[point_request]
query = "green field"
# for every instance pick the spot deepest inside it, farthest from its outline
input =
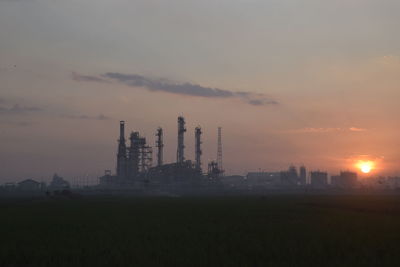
(218, 231)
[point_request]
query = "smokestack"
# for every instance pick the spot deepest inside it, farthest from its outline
(121, 155)
(180, 158)
(122, 130)
(198, 152)
(160, 146)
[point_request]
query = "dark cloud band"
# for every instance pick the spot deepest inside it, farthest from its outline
(163, 85)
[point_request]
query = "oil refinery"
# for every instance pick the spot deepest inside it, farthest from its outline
(135, 170)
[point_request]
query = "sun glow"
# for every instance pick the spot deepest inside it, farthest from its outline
(365, 166)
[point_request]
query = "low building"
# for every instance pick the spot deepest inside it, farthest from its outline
(319, 179)
(289, 178)
(393, 182)
(233, 181)
(267, 179)
(346, 180)
(29, 185)
(58, 183)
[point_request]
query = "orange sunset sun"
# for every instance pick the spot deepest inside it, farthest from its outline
(365, 166)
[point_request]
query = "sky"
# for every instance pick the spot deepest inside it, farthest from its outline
(289, 81)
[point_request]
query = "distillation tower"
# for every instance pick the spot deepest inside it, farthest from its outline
(198, 152)
(121, 155)
(180, 157)
(160, 146)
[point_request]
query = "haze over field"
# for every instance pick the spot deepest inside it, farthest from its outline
(305, 82)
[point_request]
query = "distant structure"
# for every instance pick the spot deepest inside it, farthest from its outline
(303, 175)
(29, 185)
(121, 155)
(215, 167)
(290, 177)
(319, 180)
(135, 163)
(264, 179)
(134, 155)
(213, 172)
(198, 152)
(160, 146)
(180, 157)
(58, 183)
(146, 155)
(346, 180)
(219, 150)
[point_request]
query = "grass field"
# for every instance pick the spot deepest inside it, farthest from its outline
(230, 231)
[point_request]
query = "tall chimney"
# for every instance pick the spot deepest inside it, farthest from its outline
(121, 155)
(180, 157)
(122, 131)
(160, 146)
(198, 152)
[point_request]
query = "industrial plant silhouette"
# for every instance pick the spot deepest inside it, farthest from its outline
(134, 168)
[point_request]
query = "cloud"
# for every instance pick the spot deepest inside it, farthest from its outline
(167, 86)
(100, 117)
(135, 80)
(86, 78)
(18, 123)
(317, 130)
(326, 130)
(355, 129)
(262, 102)
(18, 109)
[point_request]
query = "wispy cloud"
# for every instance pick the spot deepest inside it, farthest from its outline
(355, 129)
(86, 117)
(135, 80)
(167, 86)
(87, 78)
(18, 109)
(18, 123)
(326, 130)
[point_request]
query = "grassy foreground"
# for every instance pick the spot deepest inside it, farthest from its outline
(231, 231)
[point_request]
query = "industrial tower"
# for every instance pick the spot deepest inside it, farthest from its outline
(140, 155)
(198, 152)
(219, 151)
(180, 157)
(121, 155)
(134, 155)
(160, 146)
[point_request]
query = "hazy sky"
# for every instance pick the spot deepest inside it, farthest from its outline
(306, 81)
